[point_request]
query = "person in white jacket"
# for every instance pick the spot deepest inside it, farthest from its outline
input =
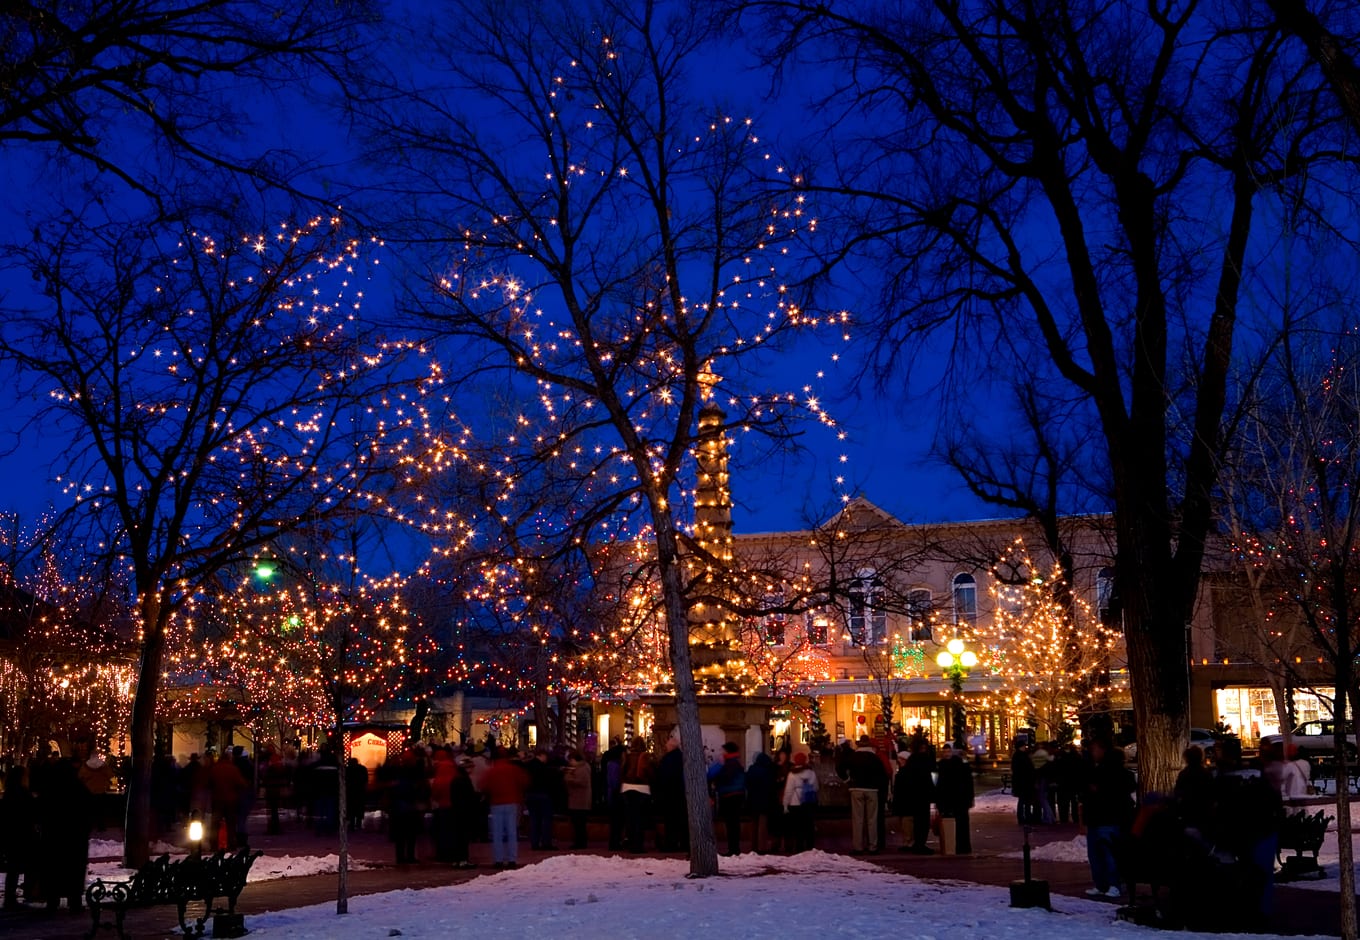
(1288, 778)
(800, 803)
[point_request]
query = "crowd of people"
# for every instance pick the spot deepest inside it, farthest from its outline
(929, 791)
(47, 812)
(1220, 824)
(1216, 833)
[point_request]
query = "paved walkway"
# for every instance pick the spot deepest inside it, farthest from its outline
(1300, 911)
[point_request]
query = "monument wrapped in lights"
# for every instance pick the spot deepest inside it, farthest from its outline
(729, 707)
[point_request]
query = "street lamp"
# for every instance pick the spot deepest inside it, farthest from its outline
(955, 660)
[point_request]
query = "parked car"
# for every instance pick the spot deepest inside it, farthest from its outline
(1200, 736)
(1315, 738)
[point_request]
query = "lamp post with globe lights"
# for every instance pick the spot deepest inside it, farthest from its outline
(956, 660)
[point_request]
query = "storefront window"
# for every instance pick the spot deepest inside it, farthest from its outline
(1250, 713)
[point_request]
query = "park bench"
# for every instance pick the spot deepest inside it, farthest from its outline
(1323, 774)
(179, 882)
(1302, 832)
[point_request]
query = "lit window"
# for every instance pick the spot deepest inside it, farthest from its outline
(1106, 602)
(776, 621)
(868, 621)
(965, 598)
(918, 614)
(815, 623)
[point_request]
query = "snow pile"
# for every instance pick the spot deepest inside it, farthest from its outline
(1070, 850)
(273, 867)
(113, 848)
(809, 895)
(994, 801)
(266, 868)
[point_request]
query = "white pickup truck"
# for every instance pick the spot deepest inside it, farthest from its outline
(1315, 738)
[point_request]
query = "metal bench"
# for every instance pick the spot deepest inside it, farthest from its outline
(179, 882)
(1302, 832)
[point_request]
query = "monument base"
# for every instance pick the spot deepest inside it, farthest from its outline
(744, 720)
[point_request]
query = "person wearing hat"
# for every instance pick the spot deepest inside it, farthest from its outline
(800, 804)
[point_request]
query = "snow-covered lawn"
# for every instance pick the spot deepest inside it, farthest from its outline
(266, 867)
(809, 895)
(113, 848)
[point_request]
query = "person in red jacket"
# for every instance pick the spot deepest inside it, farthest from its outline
(504, 784)
(228, 787)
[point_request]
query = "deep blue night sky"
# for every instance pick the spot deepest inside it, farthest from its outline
(889, 435)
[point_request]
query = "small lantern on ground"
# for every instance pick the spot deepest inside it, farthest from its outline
(196, 837)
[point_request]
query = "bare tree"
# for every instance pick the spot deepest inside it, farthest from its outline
(206, 388)
(1328, 46)
(603, 244)
(141, 89)
(1297, 475)
(1026, 186)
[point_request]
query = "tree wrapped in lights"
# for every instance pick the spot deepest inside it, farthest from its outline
(1045, 645)
(603, 245)
(66, 673)
(212, 392)
(311, 639)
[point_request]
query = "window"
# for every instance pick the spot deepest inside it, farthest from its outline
(868, 623)
(775, 621)
(815, 623)
(918, 614)
(1107, 607)
(965, 598)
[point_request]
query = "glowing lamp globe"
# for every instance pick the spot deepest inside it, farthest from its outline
(944, 660)
(196, 831)
(969, 659)
(954, 646)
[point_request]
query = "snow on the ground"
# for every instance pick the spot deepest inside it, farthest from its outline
(1068, 850)
(994, 801)
(113, 848)
(1074, 850)
(809, 895)
(266, 867)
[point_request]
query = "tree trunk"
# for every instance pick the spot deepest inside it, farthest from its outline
(414, 732)
(1159, 677)
(543, 717)
(703, 846)
(567, 735)
(1345, 855)
(342, 869)
(1280, 693)
(137, 823)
